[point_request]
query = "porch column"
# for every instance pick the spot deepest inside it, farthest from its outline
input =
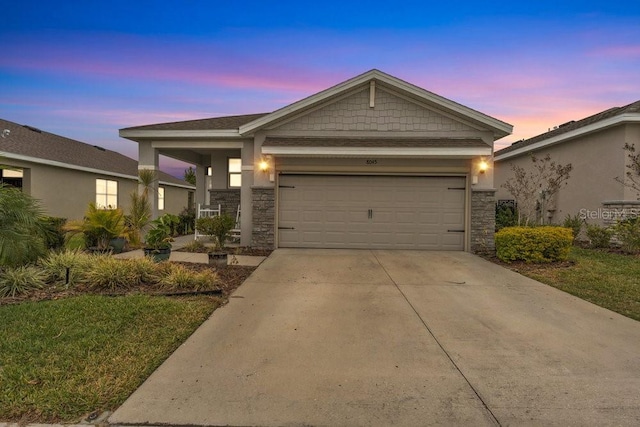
(246, 222)
(201, 185)
(148, 159)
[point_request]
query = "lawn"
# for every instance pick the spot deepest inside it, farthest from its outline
(610, 280)
(63, 359)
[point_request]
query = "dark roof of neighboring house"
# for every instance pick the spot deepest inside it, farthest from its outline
(371, 142)
(32, 142)
(634, 107)
(227, 122)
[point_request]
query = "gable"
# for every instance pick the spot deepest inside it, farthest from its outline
(390, 113)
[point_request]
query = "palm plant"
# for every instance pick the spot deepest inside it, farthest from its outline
(21, 227)
(140, 209)
(99, 225)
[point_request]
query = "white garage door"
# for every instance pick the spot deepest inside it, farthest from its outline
(385, 212)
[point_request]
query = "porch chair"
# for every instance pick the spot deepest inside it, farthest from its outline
(234, 235)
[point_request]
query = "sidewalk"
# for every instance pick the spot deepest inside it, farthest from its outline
(197, 258)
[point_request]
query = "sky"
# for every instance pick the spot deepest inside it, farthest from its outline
(84, 69)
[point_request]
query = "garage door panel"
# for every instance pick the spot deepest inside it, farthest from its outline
(407, 212)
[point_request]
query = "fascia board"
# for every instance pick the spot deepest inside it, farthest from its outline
(378, 151)
(197, 144)
(53, 163)
(593, 127)
(164, 134)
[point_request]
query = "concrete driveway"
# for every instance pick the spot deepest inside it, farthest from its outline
(356, 337)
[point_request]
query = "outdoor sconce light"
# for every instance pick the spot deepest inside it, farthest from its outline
(483, 166)
(264, 165)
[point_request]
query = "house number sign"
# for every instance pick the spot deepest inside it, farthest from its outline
(371, 161)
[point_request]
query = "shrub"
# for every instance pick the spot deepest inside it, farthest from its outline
(20, 280)
(506, 216)
(600, 237)
(21, 228)
(146, 270)
(533, 244)
(110, 274)
(217, 226)
(179, 277)
(187, 220)
(574, 223)
(54, 232)
(195, 246)
(55, 265)
(628, 233)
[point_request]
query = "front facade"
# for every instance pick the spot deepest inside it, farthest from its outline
(595, 148)
(66, 175)
(373, 162)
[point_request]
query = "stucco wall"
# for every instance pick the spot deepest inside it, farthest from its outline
(66, 193)
(597, 159)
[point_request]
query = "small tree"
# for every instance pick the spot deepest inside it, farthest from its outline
(190, 175)
(536, 185)
(631, 178)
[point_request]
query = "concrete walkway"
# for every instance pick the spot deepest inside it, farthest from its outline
(198, 258)
(337, 337)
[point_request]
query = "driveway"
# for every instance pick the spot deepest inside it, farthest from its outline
(357, 337)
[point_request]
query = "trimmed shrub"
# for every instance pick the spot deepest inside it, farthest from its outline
(534, 244)
(628, 233)
(506, 216)
(179, 277)
(55, 266)
(574, 223)
(20, 280)
(599, 237)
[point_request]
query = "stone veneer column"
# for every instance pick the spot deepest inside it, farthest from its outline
(483, 221)
(228, 199)
(264, 218)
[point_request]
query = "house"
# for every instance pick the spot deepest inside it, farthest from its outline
(594, 147)
(373, 162)
(65, 175)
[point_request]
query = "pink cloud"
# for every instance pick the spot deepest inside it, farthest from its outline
(622, 52)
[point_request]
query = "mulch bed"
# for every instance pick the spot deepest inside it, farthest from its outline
(242, 250)
(530, 267)
(230, 278)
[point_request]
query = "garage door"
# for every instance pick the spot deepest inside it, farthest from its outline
(385, 212)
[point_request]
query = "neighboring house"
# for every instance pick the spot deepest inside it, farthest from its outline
(66, 175)
(594, 147)
(373, 162)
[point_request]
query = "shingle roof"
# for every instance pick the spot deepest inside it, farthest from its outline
(372, 142)
(227, 122)
(572, 125)
(33, 142)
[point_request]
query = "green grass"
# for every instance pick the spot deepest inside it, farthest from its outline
(60, 360)
(609, 280)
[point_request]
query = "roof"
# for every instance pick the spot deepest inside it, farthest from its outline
(27, 143)
(566, 130)
(369, 142)
(499, 128)
(227, 122)
(245, 125)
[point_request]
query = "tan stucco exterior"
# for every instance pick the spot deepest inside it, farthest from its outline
(597, 158)
(66, 192)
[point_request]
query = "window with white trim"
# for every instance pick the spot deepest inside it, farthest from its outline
(106, 194)
(235, 172)
(160, 198)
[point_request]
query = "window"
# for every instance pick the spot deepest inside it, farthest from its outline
(106, 194)
(12, 177)
(160, 198)
(235, 172)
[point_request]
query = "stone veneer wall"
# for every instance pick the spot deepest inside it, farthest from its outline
(616, 210)
(483, 221)
(228, 199)
(264, 218)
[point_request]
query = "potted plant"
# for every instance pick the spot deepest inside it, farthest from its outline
(157, 242)
(103, 229)
(218, 227)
